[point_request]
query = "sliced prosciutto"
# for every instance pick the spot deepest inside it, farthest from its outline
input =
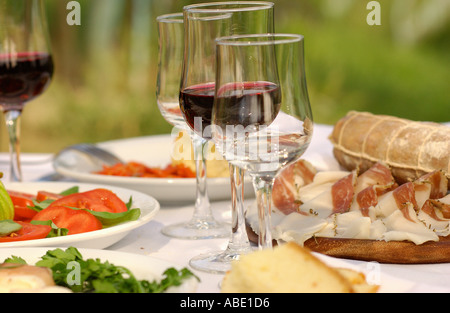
(287, 184)
(342, 193)
(370, 185)
(438, 183)
(377, 175)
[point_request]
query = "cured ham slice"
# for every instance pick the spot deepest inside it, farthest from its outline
(335, 198)
(438, 183)
(286, 187)
(405, 225)
(322, 182)
(378, 174)
(371, 184)
(342, 193)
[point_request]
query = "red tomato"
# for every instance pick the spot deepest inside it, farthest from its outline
(76, 221)
(28, 232)
(44, 195)
(100, 200)
(21, 202)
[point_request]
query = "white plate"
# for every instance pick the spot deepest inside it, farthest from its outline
(143, 267)
(152, 151)
(374, 274)
(98, 239)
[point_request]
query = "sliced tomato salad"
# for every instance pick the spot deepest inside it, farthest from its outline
(22, 202)
(75, 221)
(78, 212)
(100, 200)
(27, 232)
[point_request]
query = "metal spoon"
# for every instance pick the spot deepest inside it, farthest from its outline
(84, 157)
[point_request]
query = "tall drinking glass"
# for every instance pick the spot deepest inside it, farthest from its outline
(262, 118)
(202, 225)
(203, 24)
(26, 66)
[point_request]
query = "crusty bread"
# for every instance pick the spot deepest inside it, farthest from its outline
(409, 148)
(289, 268)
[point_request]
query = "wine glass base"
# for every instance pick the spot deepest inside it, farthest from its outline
(216, 262)
(197, 230)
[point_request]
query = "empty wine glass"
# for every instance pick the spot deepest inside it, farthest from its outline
(26, 66)
(171, 33)
(262, 117)
(203, 24)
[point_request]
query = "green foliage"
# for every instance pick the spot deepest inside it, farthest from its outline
(104, 85)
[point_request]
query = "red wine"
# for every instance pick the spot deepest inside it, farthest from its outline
(23, 76)
(248, 103)
(197, 102)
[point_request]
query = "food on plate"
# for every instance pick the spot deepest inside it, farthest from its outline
(183, 154)
(369, 216)
(6, 205)
(70, 272)
(411, 149)
(47, 214)
(137, 169)
(20, 278)
(290, 268)
(288, 183)
(20, 231)
(182, 163)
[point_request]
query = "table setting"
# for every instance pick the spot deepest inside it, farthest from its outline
(226, 80)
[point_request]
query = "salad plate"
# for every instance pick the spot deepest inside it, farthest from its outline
(143, 267)
(98, 239)
(153, 151)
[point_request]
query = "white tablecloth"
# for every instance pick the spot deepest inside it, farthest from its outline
(148, 240)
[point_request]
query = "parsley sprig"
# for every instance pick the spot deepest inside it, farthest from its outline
(95, 276)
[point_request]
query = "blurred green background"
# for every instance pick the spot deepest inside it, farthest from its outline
(104, 85)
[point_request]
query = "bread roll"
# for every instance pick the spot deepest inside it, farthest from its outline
(290, 268)
(410, 148)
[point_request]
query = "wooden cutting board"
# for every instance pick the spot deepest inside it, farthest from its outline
(392, 252)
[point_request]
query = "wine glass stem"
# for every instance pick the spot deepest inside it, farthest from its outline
(263, 188)
(12, 119)
(239, 241)
(202, 209)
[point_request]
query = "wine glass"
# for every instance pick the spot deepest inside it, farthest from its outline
(26, 66)
(203, 24)
(202, 225)
(262, 118)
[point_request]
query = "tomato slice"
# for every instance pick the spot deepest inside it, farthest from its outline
(21, 201)
(28, 232)
(45, 195)
(76, 221)
(100, 200)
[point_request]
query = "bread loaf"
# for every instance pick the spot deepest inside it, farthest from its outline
(409, 148)
(290, 268)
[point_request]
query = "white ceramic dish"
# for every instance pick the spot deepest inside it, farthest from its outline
(152, 151)
(143, 267)
(98, 239)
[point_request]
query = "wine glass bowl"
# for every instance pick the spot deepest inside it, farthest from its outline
(170, 63)
(262, 119)
(26, 66)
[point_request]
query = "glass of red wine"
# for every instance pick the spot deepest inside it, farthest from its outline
(262, 118)
(203, 24)
(171, 33)
(26, 66)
